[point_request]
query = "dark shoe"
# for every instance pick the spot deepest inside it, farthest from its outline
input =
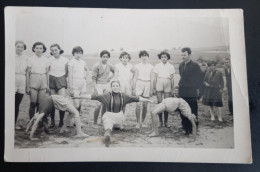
(52, 124)
(167, 125)
(107, 138)
(160, 124)
(60, 124)
(45, 126)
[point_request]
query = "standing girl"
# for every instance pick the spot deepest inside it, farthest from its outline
(37, 76)
(77, 80)
(214, 84)
(163, 82)
(57, 79)
(20, 76)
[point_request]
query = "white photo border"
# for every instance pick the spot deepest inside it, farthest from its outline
(242, 137)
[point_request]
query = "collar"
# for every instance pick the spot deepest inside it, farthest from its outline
(164, 64)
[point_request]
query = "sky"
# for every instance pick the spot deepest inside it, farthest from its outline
(132, 30)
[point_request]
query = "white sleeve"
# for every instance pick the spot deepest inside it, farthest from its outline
(156, 70)
(172, 70)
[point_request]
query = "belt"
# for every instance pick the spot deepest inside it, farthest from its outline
(144, 80)
(39, 73)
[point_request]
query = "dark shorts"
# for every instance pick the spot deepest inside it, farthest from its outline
(57, 83)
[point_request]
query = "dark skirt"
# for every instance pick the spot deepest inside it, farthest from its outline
(57, 83)
(212, 97)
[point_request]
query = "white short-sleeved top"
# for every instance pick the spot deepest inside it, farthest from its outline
(38, 64)
(164, 70)
(78, 68)
(124, 71)
(57, 66)
(21, 62)
(144, 71)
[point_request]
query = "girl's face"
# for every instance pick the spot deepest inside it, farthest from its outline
(203, 68)
(55, 51)
(38, 50)
(105, 58)
(144, 58)
(78, 55)
(115, 87)
(164, 58)
(125, 59)
(213, 67)
(19, 48)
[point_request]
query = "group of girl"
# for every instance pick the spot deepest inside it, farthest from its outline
(38, 75)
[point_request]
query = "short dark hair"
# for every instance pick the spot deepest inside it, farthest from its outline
(77, 49)
(143, 53)
(104, 52)
(21, 42)
(210, 63)
(115, 81)
(204, 64)
(164, 53)
(186, 49)
(58, 46)
(123, 54)
(39, 43)
(227, 59)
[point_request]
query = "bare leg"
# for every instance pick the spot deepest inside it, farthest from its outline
(33, 99)
(166, 95)
(64, 128)
(211, 113)
(61, 92)
(144, 111)
(71, 109)
(53, 92)
(219, 114)
(158, 109)
(159, 95)
(29, 125)
(137, 113)
(35, 125)
(96, 113)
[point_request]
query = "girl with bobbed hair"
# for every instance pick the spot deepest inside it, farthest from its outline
(163, 83)
(37, 76)
(20, 76)
(58, 72)
(214, 84)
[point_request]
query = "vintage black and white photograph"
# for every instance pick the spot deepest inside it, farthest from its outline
(120, 78)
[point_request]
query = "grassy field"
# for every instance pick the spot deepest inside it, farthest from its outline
(212, 134)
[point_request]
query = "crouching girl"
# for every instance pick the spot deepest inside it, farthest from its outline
(115, 103)
(60, 103)
(171, 104)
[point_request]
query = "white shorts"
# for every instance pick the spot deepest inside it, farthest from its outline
(79, 86)
(103, 88)
(60, 103)
(111, 119)
(143, 88)
(20, 83)
(126, 87)
(163, 84)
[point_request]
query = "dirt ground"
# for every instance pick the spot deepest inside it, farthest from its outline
(211, 134)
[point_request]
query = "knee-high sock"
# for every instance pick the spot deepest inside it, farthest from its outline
(165, 117)
(32, 109)
(160, 117)
(62, 113)
(18, 99)
(53, 114)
